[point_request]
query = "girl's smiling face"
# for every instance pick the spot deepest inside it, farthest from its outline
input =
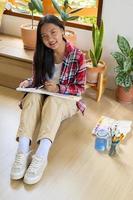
(52, 36)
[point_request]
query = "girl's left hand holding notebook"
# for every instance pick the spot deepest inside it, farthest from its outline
(25, 84)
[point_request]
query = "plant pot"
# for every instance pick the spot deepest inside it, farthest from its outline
(29, 36)
(124, 96)
(71, 36)
(92, 72)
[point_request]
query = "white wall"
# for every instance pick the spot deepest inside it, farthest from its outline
(117, 16)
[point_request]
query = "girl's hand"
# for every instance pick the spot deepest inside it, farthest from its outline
(24, 84)
(51, 86)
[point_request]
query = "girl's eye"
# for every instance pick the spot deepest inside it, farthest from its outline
(54, 32)
(43, 36)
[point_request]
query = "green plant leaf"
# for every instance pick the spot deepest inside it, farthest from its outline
(132, 68)
(118, 69)
(120, 78)
(93, 35)
(131, 54)
(96, 37)
(37, 5)
(127, 65)
(128, 81)
(123, 45)
(57, 7)
(31, 6)
(93, 59)
(72, 18)
(64, 15)
(119, 57)
(132, 78)
(76, 10)
(66, 5)
(124, 80)
(98, 50)
(98, 54)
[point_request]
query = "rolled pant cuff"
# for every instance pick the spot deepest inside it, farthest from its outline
(17, 138)
(45, 137)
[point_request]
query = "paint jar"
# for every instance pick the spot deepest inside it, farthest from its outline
(103, 140)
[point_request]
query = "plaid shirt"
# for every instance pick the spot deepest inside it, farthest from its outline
(73, 74)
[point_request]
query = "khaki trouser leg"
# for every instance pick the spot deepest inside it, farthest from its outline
(31, 112)
(53, 112)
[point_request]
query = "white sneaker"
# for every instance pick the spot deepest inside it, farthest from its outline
(35, 170)
(20, 165)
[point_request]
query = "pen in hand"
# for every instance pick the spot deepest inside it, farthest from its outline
(41, 86)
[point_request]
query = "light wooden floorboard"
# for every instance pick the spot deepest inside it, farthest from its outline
(76, 171)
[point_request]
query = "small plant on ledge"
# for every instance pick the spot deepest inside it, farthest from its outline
(35, 5)
(28, 31)
(97, 38)
(95, 65)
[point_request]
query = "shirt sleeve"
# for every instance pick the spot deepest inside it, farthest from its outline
(78, 85)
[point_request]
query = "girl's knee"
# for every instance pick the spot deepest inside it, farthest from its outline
(54, 99)
(32, 97)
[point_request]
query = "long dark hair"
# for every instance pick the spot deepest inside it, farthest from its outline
(43, 61)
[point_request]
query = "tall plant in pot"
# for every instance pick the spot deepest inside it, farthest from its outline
(28, 31)
(94, 63)
(124, 70)
(66, 14)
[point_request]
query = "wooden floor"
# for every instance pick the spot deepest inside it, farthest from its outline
(76, 171)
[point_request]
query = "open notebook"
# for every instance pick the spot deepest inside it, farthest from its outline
(43, 91)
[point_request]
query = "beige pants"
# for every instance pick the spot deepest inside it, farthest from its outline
(48, 111)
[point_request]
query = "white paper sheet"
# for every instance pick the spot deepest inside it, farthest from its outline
(43, 91)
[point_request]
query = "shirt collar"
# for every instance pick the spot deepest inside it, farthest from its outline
(69, 48)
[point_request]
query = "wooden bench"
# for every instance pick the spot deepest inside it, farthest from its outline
(15, 62)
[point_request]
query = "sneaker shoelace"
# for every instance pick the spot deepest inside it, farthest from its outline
(19, 161)
(35, 165)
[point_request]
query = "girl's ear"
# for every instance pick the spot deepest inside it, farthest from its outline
(63, 33)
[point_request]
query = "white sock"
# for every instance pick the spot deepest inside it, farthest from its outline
(43, 148)
(24, 143)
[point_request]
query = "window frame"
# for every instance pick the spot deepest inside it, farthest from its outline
(69, 24)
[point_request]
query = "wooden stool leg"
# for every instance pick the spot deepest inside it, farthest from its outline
(100, 86)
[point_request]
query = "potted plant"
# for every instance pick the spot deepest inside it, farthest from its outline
(94, 63)
(66, 14)
(124, 70)
(28, 31)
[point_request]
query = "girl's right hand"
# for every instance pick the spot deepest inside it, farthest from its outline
(24, 84)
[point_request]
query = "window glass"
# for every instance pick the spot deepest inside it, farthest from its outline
(88, 15)
(21, 6)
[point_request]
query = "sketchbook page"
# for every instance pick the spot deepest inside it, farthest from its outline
(43, 91)
(124, 126)
(103, 123)
(107, 123)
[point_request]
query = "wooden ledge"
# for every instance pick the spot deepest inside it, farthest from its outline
(12, 47)
(15, 61)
